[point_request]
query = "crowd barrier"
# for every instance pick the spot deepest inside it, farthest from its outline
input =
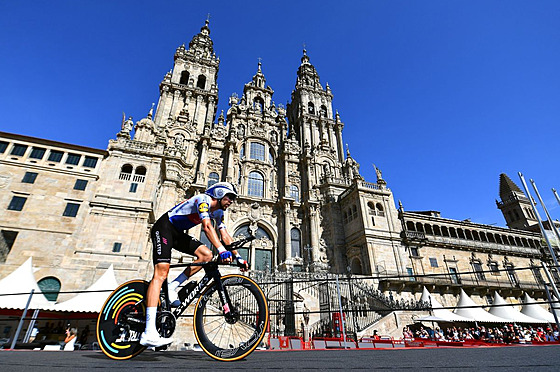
(323, 343)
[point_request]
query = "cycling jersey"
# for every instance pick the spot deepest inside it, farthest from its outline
(191, 212)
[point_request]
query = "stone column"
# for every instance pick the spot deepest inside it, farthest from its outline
(314, 227)
(229, 164)
(286, 177)
(186, 103)
(197, 106)
(287, 233)
(209, 110)
(159, 109)
(332, 137)
(200, 179)
(340, 146)
(176, 95)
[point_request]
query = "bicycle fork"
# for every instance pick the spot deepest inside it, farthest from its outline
(230, 313)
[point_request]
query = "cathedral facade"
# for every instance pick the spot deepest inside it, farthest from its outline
(77, 210)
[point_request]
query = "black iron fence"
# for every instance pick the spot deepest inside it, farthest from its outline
(313, 302)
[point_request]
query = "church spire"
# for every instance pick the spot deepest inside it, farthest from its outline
(508, 187)
(201, 44)
(515, 206)
(259, 79)
(307, 76)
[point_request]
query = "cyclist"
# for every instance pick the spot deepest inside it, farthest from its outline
(169, 232)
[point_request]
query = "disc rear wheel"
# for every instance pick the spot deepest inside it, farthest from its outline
(122, 319)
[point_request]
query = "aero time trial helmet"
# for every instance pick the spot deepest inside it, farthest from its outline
(221, 189)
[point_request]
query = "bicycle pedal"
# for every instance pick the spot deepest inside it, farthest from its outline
(185, 290)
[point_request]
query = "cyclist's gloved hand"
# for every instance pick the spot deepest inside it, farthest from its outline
(224, 254)
(242, 263)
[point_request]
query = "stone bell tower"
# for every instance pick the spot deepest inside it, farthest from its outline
(318, 131)
(189, 92)
(515, 206)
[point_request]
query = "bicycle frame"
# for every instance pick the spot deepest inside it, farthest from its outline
(212, 273)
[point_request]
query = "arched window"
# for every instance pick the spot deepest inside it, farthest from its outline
(201, 82)
(371, 208)
(127, 168)
(256, 184)
(475, 235)
(263, 257)
(184, 78)
(356, 266)
(213, 178)
(257, 151)
(294, 192)
(296, 242)
(126, 172)
(140, 174)
(410, 226)
(311, 108)
(323, 111)
(50, 286)
(452, 232)
(379, 208)
(428, 229)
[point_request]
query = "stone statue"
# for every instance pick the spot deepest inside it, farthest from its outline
(274, 137)
(178, 141)
(127, 125)
(241, 132)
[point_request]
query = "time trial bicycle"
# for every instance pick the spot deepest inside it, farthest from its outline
(230, 316)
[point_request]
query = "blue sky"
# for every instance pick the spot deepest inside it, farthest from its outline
(442, 96)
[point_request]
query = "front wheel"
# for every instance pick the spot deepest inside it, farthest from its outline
(231, 334)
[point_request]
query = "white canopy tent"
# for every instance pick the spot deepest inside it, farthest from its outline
(93, 298)
(502, 309)
(468, 309)
(440, 314)
(534, 310)
(22, 280)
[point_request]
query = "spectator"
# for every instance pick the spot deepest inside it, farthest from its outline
(70, 340)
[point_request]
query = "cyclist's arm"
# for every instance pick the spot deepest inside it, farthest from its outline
(211, 232)
(226, 238)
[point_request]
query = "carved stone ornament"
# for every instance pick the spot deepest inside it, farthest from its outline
(5, 179)
(255, 212)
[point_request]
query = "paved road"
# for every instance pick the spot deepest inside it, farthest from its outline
(528, 358)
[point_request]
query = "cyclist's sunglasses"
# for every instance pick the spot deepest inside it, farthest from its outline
(231, 197)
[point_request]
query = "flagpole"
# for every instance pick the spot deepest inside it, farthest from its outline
(538, 219)
(556, 194)
(550, 221)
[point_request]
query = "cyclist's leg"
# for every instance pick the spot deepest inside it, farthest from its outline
(160, 274)
(162, 241)
(194, 247)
